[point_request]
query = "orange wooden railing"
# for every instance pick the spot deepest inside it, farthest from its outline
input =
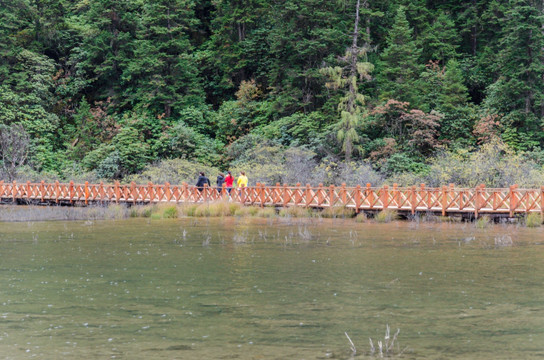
(447, 199)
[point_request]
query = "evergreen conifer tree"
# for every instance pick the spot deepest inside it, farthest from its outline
(399, 67)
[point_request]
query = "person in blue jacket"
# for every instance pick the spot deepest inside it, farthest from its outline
(202, 179)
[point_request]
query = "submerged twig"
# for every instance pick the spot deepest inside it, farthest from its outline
(353, 348)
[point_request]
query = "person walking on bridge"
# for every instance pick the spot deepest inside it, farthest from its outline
(242, 180)
(229, 180)
(202, 179)
(219, 182)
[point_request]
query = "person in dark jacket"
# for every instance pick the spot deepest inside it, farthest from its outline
(220, 181)
(202, 179)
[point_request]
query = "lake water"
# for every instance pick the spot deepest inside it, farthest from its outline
(238, 288)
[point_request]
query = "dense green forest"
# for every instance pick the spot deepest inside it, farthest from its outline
(289, 91)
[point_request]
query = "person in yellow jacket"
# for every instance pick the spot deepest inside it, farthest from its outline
(242, 180)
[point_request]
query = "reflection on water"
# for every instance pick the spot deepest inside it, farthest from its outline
(268, 289)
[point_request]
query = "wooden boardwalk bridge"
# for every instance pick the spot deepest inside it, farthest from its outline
(447, 200)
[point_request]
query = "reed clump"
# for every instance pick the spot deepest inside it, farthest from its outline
(337, 212)
(156, 211)
(188, 209)
(295, 211)
(116, 211)
(267, 212)
(170, 212)
(388, 347)
(533, 220)
(386, 216)
(245, 211)
(483, 222)
(361, 217)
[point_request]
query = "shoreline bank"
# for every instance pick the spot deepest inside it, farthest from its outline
(21, 213)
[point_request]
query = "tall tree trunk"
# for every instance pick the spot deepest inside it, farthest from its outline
(474, 37)
(353, 52)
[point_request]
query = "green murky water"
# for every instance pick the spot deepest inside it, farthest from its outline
(268, 289)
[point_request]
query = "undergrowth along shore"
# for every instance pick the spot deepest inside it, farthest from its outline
(228, 209)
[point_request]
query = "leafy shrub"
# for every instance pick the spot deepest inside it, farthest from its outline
(110, 167)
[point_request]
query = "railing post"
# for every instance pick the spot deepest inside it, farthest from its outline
(331, 196)
(117, 194)
(133, 192)
(357, 198)
(86, 193)
(256, 194)
(185, 190)
(150, 192)
(513, 204)
(14, 191)
(205, 192)
(482, 196)
(423, 194)
(297, 194)
(413, 200)
(452, 192)
(167, 192)
(542, 203)
(71, 191)
(223, 190)
(370, 196)
(285, 196)
(101, 191)
(308, 195)
(495, 201)
(28, 191)
(343, 195)
(385, 197)
(444, 199)
(56, 191)
(320, 196)
(263, 194)
(276, 199)
(396, 195)
(477, 202)
(42, 190)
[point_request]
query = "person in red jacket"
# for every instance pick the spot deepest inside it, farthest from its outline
(229, 180)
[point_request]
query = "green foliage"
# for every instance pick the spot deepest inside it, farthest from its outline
(440, 40)
(182, 141)
(279, 89)
(174, 171)
(401, 163)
